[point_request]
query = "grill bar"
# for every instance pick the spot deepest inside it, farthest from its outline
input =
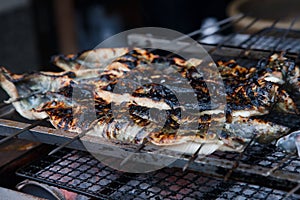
(232, 36)
(231, 20)
(81, 173)
(223, 160)
(285, 34)
(237, 162)
(34, 124)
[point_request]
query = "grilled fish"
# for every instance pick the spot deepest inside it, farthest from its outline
(250, 92)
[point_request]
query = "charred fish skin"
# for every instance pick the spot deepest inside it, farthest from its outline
(282, 70)
(31, 89)
(90, 59)
(100, 58)
(263, 91)
(233, 140)
(40, 83)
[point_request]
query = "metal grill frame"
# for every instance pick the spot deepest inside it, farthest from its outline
(282, 175)
(80, 172)
(225, 160)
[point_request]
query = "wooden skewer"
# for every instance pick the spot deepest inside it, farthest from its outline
(34, 124)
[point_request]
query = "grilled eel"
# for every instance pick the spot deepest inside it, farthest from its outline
(255, 94)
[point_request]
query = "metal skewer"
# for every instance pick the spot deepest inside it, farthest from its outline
(285, 34)
(192, 158)
(137, 150)
(223, 28)
(224, 21)
(34, 124)
(6, 110)
(237, 162)
(233, 21)
(286, 158)
(292, 191)
(77, 137)
(233, 35)
(2, 104)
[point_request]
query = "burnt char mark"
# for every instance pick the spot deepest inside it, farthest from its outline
(68, 122)
(69, 58)
(160, 60)
(107, 77)
(157, 92)
(67, 91)
(62, 116)
(198, 84)
(130, 64)
(139, 115)
(261, 64)
(102, 108)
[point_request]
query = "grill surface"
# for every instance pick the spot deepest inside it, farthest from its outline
(80, 172)
(266, 39)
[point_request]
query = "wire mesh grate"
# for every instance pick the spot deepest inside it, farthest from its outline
(80, 172)
(271, 38)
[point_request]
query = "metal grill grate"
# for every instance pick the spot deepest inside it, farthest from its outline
(80, 172)
(270, 37)
(267, 39)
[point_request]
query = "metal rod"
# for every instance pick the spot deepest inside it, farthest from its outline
(233, 35)
(2, 104)
(286, 158)
(223, 28)
(237, 162)
(260, 33)
(204, 36)
(285, 34)
(192, 158)
(34, 124)
(292, 191)
(224, 21)
(6, 110)
(77, 137)
(137, 150)
(260, 36)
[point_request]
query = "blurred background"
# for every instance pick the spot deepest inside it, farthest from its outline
(34, 30)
